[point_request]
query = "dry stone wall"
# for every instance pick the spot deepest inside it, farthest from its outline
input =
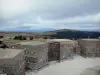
(90, 47)
(36, 56)
(16, 67)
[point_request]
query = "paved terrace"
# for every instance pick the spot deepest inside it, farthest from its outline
(75, 66)
(92, 71)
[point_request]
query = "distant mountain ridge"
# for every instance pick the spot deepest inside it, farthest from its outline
(62, 33)
(71, 30)
(69, 33)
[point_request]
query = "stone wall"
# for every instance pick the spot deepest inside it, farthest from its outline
(36, 56)
(77, 50)
(66, 51)
(90, 47)
(16, 67)
(54, 51)
(2, 74)
(60, 50)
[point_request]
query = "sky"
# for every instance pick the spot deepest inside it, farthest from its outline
(47, 15)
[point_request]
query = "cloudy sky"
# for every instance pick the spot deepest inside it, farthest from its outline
(44, 15)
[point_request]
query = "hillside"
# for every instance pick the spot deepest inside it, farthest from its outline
(63, 33)
(67, 33)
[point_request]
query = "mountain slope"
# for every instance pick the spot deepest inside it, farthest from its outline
(67, 33)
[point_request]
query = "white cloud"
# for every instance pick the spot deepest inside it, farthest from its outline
(9, 8)
(38, 4)
(87, 19)
(87, 22)
(55, 14)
